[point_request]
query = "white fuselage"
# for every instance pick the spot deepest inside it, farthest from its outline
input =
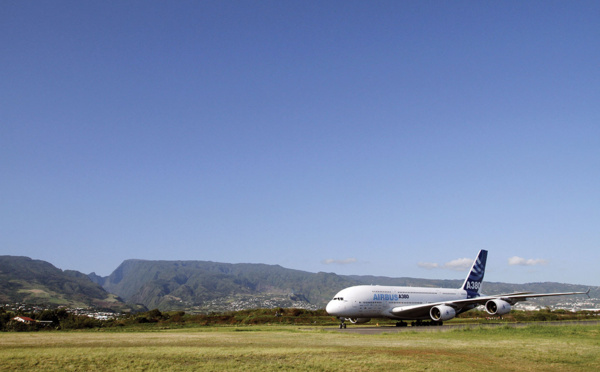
(374, 301)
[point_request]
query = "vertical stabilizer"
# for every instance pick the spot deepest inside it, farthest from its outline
(473, 282)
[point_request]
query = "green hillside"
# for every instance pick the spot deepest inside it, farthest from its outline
(24, 280)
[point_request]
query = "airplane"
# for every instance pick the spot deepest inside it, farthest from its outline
(423, 305)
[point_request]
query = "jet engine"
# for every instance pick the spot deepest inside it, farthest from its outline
(497, 307)
(442, 312)
(358, 320)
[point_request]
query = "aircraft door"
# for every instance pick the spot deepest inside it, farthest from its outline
(356, 308)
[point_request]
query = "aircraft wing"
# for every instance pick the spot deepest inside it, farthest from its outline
(422, 311)
(513, 298)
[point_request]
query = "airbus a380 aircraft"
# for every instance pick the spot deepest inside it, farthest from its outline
(361, 303)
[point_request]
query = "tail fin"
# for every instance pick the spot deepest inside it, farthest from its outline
(472, 283)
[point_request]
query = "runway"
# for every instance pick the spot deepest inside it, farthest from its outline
(393, 329)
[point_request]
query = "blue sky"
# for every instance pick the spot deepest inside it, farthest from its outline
(357, 137)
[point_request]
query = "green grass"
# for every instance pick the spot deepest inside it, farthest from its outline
(535, 348)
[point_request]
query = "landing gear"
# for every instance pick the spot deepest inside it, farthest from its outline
(420, 323)
(401, 324)
(342, 324)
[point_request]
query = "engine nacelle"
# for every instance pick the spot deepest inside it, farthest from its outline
(358, 320)
(442, 312)
(497, 307)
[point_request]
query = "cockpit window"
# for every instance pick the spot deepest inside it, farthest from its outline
(338, 298)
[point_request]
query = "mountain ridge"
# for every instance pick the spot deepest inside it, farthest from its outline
(186, 284)
(205, 286)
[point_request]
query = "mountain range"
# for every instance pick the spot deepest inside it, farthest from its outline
(204, 286)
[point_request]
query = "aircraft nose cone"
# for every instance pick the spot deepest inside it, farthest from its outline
(331, 308)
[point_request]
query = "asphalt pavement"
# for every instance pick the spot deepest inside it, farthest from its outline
(447, 327)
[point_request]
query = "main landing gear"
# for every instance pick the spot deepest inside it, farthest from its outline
(401, 324)
(420, 323)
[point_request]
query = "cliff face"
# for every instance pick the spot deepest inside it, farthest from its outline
(181, 284)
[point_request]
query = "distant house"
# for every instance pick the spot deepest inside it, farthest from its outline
(24, 319)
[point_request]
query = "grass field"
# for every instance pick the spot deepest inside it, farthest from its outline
(535, 348)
